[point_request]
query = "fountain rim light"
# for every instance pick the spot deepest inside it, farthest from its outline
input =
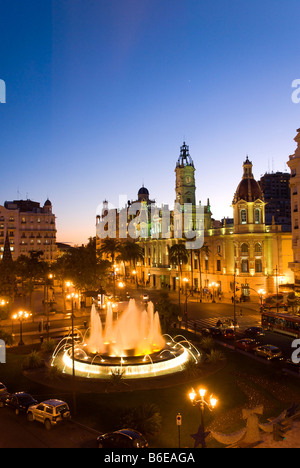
(150, 369)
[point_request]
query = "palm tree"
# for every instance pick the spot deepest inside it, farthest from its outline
(206, 250)
(179, 256)
(131, 252)
(111, 247)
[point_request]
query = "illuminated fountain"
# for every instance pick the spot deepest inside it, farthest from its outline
(131, 345)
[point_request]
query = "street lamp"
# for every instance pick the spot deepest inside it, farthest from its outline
(212, 285)
(21, 316)
(198, 399)
(261, 293)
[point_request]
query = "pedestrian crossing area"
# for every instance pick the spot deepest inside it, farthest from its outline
(243, 322)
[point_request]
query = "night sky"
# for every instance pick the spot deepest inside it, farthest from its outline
(101, 95)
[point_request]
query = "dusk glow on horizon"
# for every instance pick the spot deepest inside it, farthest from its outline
(100, 96)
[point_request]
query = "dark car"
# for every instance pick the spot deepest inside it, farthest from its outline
(254, 332)
(246, 344)
(229, 334)
(3, 394)
(125, 438)
(211, 331)
(20, 402)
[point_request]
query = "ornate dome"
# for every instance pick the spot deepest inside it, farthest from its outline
(249, 189)
(143, 191)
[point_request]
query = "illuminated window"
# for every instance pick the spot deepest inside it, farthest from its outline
(245, 266)
(258, 266)
(258, 249)
(257, 216)
(243, 216)
(244, 249)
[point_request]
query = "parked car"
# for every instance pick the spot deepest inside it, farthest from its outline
(3, 389)
(49, 412)
(3, 394)
(125, 438)
(20, 402)
(246, 344)
(229, 323)
(211, 331)
(229, 334)
(269, 352)
(254, 332)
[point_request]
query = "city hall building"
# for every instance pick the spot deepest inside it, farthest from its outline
(244, 250)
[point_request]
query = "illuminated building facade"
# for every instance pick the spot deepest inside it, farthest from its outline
(28, 227)
(256, 253)
(294, 165)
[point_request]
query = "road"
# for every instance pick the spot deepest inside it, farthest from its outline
(17, 432)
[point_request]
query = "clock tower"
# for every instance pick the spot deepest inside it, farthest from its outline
(185, 178)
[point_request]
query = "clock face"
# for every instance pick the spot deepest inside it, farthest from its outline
(188, 179)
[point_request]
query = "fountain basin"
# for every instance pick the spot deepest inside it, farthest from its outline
(168, 360)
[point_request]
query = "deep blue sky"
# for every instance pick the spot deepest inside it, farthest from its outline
(101, 95)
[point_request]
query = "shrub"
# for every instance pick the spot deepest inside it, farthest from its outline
(6, 337)
(207, 343)
(215, 356)
(34, 360)
(53, 373)
(48, 347)
(145, 418)
(193, 368)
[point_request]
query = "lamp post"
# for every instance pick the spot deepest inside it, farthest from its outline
(198, 399)
(212, 285)
(73, 296)
(48, 281)
(21, 316)
(261, 293)
(186, 281)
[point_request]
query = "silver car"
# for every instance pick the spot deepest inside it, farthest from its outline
(50, 413)
(269, 352)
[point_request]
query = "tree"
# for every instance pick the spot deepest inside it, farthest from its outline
(168, 311)
(8, 284)
(130, 252)
(145, 418)
(82, 266)
(31, 269)
(111, 248)
(178, 256)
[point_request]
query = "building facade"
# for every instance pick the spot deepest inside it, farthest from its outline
(245, 250)
(277, 195)
(294, 165)
(28, 227)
